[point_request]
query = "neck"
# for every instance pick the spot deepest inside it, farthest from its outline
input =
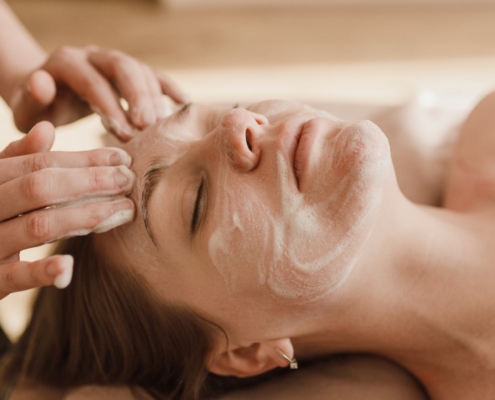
(411, 298)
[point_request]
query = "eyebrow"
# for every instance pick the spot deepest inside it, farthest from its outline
(152, 176)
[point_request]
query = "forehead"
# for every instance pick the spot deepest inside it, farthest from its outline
(166, 141)
(170, 138)
(172, 134)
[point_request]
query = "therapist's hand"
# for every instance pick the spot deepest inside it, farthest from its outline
(45, 196)
(73, 82)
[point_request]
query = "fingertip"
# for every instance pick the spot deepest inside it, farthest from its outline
(177, 95)
(186, 99)
(143, 116)
(40, 138)
(66, 265)
(122, 130)
(42, 87)
(120, 157)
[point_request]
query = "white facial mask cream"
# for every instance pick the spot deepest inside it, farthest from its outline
(307, 245)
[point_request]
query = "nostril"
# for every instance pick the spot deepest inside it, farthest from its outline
(248, 140)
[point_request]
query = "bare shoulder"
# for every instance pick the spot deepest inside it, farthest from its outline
(344, 378)
(471, 177)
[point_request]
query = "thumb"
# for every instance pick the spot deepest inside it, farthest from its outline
(32, 98)
(39, 139)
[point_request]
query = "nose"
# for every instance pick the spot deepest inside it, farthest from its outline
(240, 131)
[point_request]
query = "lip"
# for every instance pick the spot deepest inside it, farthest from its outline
(303, 150)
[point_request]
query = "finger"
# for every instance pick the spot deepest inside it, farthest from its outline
(155, 90)
(171, 89)
(42, 88)
(130, 78)
(15, 167)
(87, 82)
(39, 139)
(22, 275)
(32, 99)
(48, 225)
(54, 186)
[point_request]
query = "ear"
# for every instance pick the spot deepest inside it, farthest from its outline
(246, 361)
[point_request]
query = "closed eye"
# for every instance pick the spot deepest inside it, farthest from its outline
(197, 208)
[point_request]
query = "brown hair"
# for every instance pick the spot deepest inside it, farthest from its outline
(108, 328)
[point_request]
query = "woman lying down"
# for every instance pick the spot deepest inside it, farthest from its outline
(270, 236)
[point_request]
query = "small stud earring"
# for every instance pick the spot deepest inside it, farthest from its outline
(293, 362)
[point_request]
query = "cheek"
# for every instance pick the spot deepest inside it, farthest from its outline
(322, 235)
(300, 248)
(239, 246)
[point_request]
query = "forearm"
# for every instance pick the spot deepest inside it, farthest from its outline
(19, 52)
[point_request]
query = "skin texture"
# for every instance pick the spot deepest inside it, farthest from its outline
(409, 296)
(203, 135)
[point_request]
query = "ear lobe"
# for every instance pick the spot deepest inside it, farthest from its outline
(256, 359)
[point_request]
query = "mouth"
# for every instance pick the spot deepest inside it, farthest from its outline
(305, 142)
(298, 140)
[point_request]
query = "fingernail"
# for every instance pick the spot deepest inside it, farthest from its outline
(124, 177)
(126, 132)
(123, 212)
(148, 117)
(52, 269)
(121, 179)
(120, 157)
(64, 278)
(113, 125)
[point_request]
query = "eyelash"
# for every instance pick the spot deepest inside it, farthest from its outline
(199, 198)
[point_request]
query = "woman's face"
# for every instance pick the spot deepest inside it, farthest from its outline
(247, 209)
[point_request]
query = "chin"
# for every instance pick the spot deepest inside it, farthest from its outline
(327, 231)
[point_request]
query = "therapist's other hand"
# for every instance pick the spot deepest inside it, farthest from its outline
(45, 196)
(73, 82)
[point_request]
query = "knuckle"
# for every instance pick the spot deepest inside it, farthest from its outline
(10, 149)
(118, 60)
(92, 48)
(39, 162)
(39, 227)
(9, 278)
(94, 158)
(36, 187)
(98, 178)
(64, 52)
(95, 216)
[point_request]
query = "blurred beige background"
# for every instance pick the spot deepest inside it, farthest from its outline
(371, 52)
